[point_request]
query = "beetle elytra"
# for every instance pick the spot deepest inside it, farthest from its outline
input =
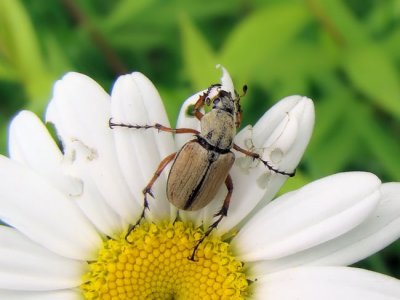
(202, 165)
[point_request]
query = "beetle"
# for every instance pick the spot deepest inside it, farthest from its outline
(202, 165)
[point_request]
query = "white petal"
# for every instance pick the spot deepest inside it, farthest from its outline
(281, 135)
(54, 295)
(314, 214)
(136, 101)
(80, 110)
(31, 144)
(226, 81)
(97, 209)
(25, 265)
(41, 212)
(328, 283)
(375, 233)
(187, 121)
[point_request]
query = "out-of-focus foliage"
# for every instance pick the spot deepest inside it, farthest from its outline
(343, 54)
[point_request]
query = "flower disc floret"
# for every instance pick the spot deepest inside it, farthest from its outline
(152, 263)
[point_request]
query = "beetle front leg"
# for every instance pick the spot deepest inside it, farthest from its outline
(266, 163)
(157, 126)
(198, 105)
(221, 214)
(147, 190)
(203, 100)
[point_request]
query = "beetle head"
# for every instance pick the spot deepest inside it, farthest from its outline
(222, 100)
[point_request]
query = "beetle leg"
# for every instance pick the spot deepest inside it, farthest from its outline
(157, 126)
(147, 191)
(266, 163)
(202, 100)
(177, 217)
(199, 104)
(222, 213)
(239, 108)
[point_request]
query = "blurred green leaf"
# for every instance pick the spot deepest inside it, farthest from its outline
(366, 64)
(124, 11)
(329, 113)
(22, 51)
(391, 44)
(56, 58)
(198, 56)
(338, 21)
(333, 153)
(375, 75)
(381, 143)
(7, 72)
(262, 35)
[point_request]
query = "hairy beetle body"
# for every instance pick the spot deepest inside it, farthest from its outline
(218, 128)
(196, 175)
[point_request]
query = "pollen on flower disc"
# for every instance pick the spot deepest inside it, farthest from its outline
(154, 264)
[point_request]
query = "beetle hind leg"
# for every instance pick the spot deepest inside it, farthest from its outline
(147, 191)
(142, 215)
(223, 212)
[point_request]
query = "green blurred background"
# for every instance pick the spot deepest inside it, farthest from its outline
(343, 54)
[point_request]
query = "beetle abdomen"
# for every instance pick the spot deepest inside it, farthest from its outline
(196, 175)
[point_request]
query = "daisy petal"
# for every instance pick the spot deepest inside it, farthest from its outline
(27, 266)
(187, 121)
(42, 213)
(318, 212)
(97, 209)
(281, 137)
(375, 233)
(136, 101)
(226, 81)
(31, 144)
(328, 283)
(80, 110)
(54, 295)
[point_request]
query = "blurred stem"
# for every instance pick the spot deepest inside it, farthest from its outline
(326, 22)
(98, 39)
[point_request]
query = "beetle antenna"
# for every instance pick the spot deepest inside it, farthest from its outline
(244, 91)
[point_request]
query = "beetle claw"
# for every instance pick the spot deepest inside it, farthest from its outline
(223, 212)
(147, 191)
(150, 193)
(111, 124)
(275, 170)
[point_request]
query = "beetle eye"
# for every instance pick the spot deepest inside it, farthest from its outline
(216, 101)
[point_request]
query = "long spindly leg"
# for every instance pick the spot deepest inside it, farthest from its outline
(157, 126)
(199, 104)
(223, 212)
(147, 190)
(196, 111)
(266, 163)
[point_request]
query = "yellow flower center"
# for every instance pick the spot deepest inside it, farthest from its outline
(154, 264)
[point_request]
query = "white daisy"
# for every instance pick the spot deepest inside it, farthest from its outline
(69, 211)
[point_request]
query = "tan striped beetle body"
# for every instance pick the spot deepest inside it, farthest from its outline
(202, 165)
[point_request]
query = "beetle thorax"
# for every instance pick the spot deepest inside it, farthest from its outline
(218, 128)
